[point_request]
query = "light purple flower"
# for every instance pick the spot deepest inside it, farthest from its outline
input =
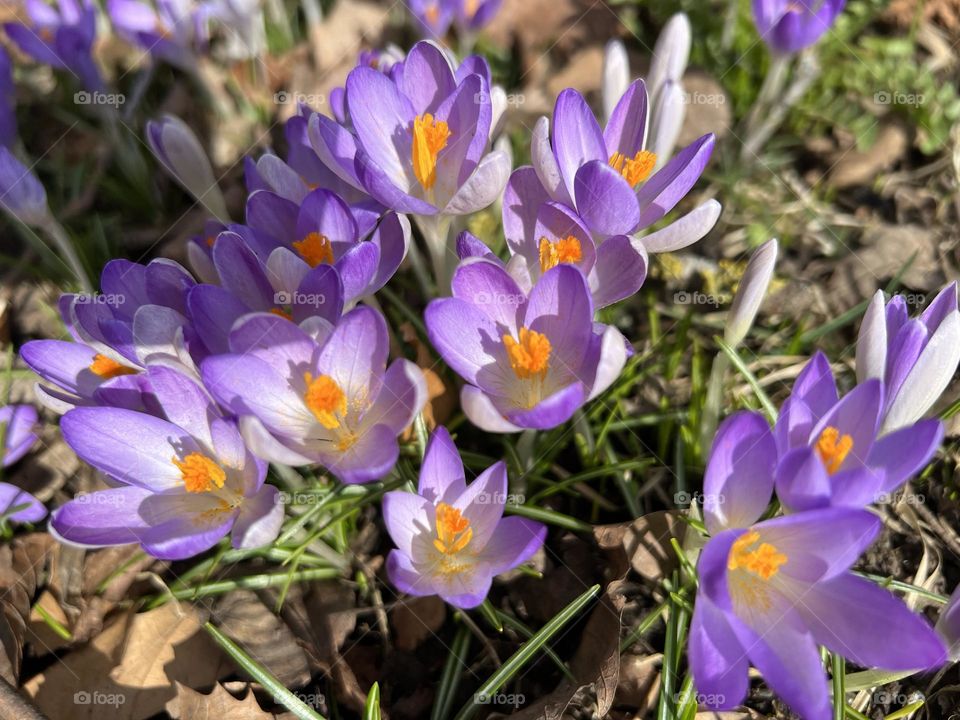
(21, 193)
(948, 625)
(610, 176)
(915, 358)
(321, 229)
(173, 30)
(61, 37)
(19, 505)
(432, 18)
(17, 431)
(529, 361)
(471, 15)
(284, 285)
(452, 538)
(788, 26)
(8, 102)
(140, 317)
(831, 448)
(183, 481)
(664, 83)
(771, 591)
(422, 140)
(325, 397)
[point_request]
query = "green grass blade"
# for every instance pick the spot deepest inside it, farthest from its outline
(450, 680)
(528, 650)
(262, 676)
(371, 708)
(768, 407)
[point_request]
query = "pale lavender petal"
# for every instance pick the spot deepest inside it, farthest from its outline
(259, 521)
(441, 474)
(605, 201)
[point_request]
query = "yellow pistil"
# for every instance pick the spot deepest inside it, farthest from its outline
(565, 250)
(432, 13)
(315, 249)
(470, 8)
(833, 448)
(325, 399)
(764, 561)
(529, 358)
(429, 138)
(636, 169)
(200, 473)
(108, 368)
(211, 239)
(453, 530)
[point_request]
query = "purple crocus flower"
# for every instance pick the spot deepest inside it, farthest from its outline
(323, 230)
(948, 625)
(284, 285)
(608, 176)
(139, 317)
(831, 448)
(529, 361)
(17, 426)
(452, 538)
(664, 83)
(8, 103)
(433, 17)
(915, 358)
(61, 37)
(323, 397)
(184, 480)
(788, 26)
(21, 193)
(771, 591)
(471, 15)
(173, 31)
(422, 139)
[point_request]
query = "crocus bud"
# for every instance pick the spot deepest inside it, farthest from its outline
(21, 193)
(753, 286)
(670, 54)
(616, 75)
(788, 26)
(914, 357)
(181, 154)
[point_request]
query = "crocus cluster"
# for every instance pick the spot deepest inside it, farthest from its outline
(774, 588)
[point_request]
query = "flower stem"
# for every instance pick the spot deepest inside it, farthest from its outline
(59, 237)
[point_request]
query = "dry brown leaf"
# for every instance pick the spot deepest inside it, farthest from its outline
(857, 167)
(646, 542)
(243, 617)
(415, 620)
(22, 562)
(639, 683)
(127, 671)
(218, 705)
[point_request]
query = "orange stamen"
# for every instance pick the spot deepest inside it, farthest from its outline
(430, 136)
(531, 356)
(764, 561)
(315, 249)
(200, 473)
(833, 448)
(565, 250)
(453, 530)
(325, 399)
(108, 368)
(636, 169)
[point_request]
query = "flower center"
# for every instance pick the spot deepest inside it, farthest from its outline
(763, 560)
(429, 138)
(833, 448)
(280, 312)
(315, 249)
(432, 13)
(108, 368)
(453, 530)
(529, 358)
(200, 473)
(325, 399)
(636, 169)
(565, 250)
(470, 8)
